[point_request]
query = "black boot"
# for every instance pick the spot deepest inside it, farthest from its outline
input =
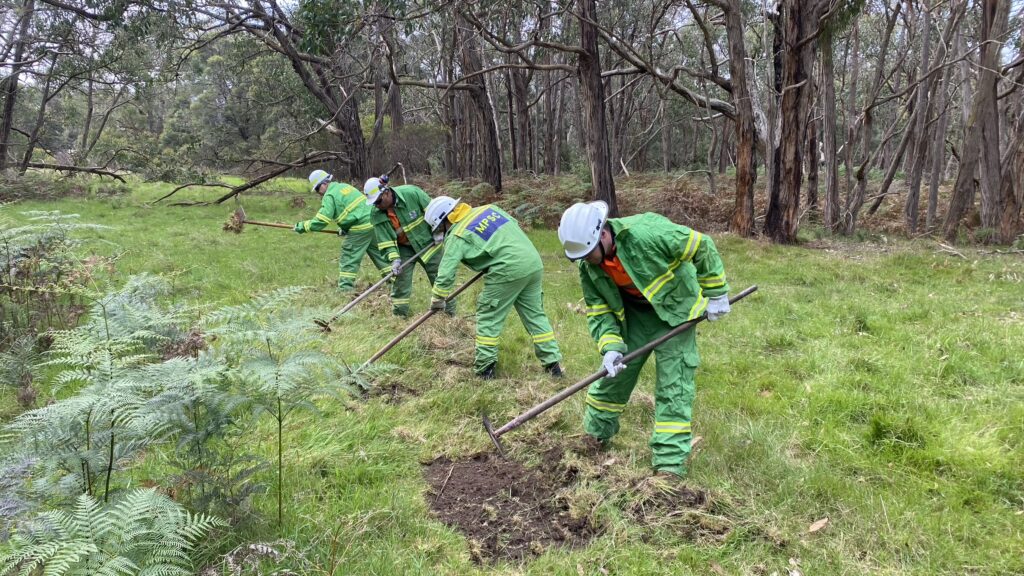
(487, 373)
(555, 369)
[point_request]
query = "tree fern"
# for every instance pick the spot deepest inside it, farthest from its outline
(277, 351)
(142, 533)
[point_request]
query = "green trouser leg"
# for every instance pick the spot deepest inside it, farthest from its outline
(401, 291)
(676, 363)
(492, 309)
(353, 246)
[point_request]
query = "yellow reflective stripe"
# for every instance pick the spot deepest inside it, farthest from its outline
(469, 218)
(688, 252)
(413, 224)
(672, 427)
(660, 281)
(399, 301)
(347, 274)
(440, 292)
(351, 206)
(598, 310)
(305, 225)
(386, 245)
(608, 339)
(620, 313)
(604, 406)
(691, 246)
(712, 281)
(324, 219)
(698, 308)
(361, 227)
(430, 253)
(543, 337)
(486, 340)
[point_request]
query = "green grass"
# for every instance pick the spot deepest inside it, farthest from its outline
(881, 386)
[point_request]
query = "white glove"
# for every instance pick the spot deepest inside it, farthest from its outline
(438, 237)
(396, 267)
(613, 363)
(718, 307)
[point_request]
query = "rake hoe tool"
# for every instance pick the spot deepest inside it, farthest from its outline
(557, 398)
(418, 321)
(240, 218)
(325, 325)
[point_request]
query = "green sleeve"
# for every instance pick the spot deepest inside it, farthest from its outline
(324, 217)
(352, 210)
(387, 240)
(685, 245)
(710, 270)
(444, 283)
(601, 318)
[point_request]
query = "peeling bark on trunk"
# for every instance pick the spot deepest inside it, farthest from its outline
(471, 64)
(911, 208)
(782, 219)
(592, 107)
(982, 130)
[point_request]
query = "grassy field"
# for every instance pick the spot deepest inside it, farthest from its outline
(880, 386)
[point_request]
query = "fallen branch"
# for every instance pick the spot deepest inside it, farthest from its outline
(280, 168)
(950, 250)
(67, 168)
(189, 185)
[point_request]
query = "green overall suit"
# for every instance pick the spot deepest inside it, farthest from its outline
(488, 239)
(345, 207)
(677, 270)
(410, 203)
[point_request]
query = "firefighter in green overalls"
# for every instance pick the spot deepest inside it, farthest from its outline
(488, 239)
(642, 275)
(343, 206)
(398, 224)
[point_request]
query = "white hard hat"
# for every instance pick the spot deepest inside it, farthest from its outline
(373, 189)
(318, 177)
(437, 210)
(580, 228)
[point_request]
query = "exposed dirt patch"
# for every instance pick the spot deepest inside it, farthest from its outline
(506, 510)
(297, 202)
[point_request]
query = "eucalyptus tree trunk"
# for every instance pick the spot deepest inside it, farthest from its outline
(1012, 188)
(851, 111)
(741, 220)
(911, 208)
(592, 107)
(490, 154)
(812, 164)
(9, 85)
(981, 133)
(800, 21)
(830, 206)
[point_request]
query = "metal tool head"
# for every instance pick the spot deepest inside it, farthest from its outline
(324, 325)
(494, 437)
